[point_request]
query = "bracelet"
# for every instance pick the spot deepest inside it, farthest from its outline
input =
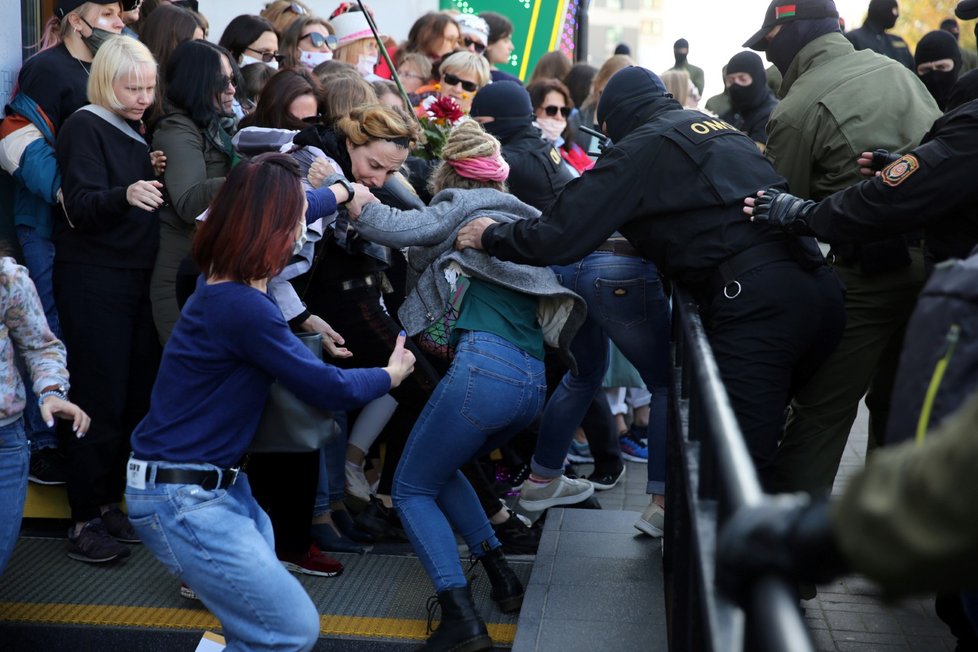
(50, 392)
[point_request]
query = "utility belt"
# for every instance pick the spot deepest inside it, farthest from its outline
(726, 277)
(619, 248)
(877, 257)
(139, 472)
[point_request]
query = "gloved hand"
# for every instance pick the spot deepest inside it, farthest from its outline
(882, 158)
(787, 535)
(785, 211)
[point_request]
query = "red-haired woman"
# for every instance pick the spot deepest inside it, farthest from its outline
(187, 500)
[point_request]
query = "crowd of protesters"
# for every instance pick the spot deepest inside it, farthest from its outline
(184, 209)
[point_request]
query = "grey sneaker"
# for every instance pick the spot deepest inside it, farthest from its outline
(561, 491)
(652, 521)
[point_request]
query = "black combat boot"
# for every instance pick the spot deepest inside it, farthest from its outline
(507, 590)
(461, 628)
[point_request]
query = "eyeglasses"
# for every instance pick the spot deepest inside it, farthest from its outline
(267, 57)
(552, 110)
(318, 40)
(472, 43)
(227, 82)
(452, 80)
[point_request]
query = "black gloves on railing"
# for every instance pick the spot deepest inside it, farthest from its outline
(787, 535)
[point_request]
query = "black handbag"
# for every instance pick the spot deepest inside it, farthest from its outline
(289, 425)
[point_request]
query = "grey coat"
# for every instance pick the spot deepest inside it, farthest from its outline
(429, 234)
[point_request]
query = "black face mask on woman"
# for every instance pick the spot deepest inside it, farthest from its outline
(98, 36)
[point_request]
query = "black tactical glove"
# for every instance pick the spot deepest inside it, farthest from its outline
(787, 535)
(882, 158)
(783, 210)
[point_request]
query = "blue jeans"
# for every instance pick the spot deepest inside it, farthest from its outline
(39, 260)
(492, 391)
(14, 459)
(626, 302)
(332, 474)
(221, 544)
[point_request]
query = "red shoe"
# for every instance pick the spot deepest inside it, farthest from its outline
(313, 562)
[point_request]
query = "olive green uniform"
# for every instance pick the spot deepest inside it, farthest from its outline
(836, 104)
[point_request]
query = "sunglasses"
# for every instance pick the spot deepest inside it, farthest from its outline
(318, 40)
(296, 9)
(313, 119)
(452, 80)
(472, 43)
(267, 57)
(226, 82)
(552, 110)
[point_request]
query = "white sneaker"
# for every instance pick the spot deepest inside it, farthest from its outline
(356, 482)
(652, 521)
(560, 491)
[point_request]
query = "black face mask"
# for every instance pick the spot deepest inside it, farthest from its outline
(784, 47)
(940, 83)
(881, 13)
(745, 98)
(680, 57)
(98, 36)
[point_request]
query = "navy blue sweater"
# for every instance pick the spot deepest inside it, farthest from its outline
(230, 343)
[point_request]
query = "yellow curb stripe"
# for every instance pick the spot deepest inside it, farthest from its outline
(529, 39)
(164, 617)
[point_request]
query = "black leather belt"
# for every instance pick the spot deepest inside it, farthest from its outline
(209, 480)
(727, 274)
(619, 248)
(358, 283)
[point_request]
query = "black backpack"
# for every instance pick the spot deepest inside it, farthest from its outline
(939, 363)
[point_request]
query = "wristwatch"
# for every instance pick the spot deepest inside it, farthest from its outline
(52, 390)
(348, 187)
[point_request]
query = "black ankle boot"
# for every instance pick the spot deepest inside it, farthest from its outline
(507, 590)
(461, 628)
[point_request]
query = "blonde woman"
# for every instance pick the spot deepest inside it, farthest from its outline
(505, 313)
(460, 77)
(355, 42)
(105, 245)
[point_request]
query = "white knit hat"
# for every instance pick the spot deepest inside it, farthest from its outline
(351, 26)
(473, 25)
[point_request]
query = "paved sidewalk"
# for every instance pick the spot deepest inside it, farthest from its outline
(847, 615)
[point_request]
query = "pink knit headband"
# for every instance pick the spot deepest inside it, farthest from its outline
(482, 168)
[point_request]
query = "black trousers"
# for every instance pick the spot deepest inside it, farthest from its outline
(768, 340)
(113, 357)
(284, 484)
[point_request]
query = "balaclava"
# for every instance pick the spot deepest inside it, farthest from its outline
(881, 13)
(934, 47)
(745, 98)
(632, 96)
(507, 102)
(784, 47)
(681, 50)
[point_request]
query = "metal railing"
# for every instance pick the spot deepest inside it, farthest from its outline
(710, 476)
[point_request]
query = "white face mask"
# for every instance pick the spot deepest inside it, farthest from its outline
(312, 59)
(245, 60)
(366, 64)
(552, 128)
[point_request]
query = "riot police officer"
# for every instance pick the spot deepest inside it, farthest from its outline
(672, 184)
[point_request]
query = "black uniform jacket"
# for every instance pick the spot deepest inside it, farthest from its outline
(673, 185)
(932, 186)
(537, 173)
(871, 37)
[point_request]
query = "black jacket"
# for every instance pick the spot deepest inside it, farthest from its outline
(753, 122)
(536, 171)
(871, 37)
(98, 163)
(932, 186)
(673, 185)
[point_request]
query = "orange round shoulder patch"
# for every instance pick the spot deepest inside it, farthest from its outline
(900, 170)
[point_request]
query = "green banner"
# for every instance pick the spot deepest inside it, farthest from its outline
(537, 28)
